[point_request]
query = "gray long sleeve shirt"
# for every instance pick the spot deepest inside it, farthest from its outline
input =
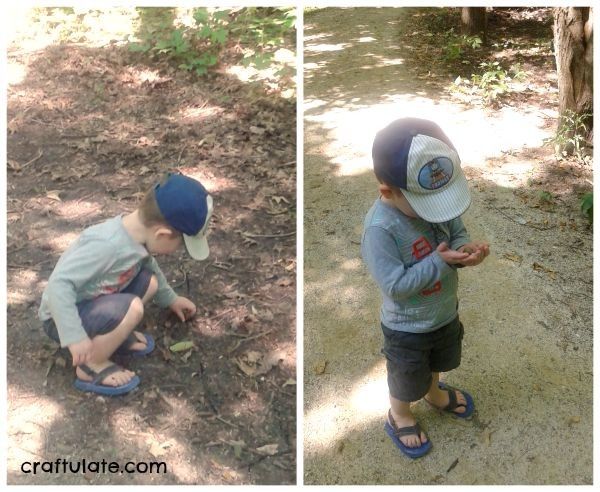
(419, 288)
(103, 260)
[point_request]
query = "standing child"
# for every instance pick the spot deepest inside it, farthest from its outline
(96, 294)
(413, 242)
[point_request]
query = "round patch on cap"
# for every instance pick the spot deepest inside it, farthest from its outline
(436, 173)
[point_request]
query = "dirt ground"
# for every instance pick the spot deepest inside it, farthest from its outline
(90, 129)
(527, 310)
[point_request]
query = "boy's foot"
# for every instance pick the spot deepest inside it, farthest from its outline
(399, 436)
(117, 378)
(141, 344)
(449, 399)
(136, 344)
(411, 440)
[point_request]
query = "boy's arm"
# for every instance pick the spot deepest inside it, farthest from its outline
(74, 269)
(165, 295)
(458, 234)
(382, 257)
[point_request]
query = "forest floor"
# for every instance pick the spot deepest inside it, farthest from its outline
(527, 310)
(91, 127)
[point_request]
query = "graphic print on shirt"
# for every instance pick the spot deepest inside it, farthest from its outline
(122, 280)
(421, 248)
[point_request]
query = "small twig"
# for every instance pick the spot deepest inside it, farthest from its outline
(218, 417)
(221, 314)
(268, 235)
(179, 284)
(180, 154)
(451, 467)
(33, 160)
(247, 339)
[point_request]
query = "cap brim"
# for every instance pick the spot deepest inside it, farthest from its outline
(443, 205)
(197, 246)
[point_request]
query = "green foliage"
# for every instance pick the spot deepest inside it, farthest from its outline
(456, 46)
(545, 197)
(492, 82)
(570, 136)
(198, 47)
(587, 206)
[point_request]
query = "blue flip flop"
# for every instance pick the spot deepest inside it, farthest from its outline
(130, 340)
(453, 403)
(395, 434)
(95, 386)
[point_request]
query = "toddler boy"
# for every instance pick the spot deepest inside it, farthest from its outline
(96, 294)
(412, 244)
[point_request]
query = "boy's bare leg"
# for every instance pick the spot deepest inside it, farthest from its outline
(152, 288)
(404, 418)
(440, 398)
(105, 345)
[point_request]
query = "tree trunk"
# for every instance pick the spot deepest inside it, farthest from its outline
(573, 47)
(474, 21)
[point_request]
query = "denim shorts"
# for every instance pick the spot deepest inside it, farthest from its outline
(412, 357)
(104, 313)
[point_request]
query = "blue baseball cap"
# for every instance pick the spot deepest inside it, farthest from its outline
(187, 207)
(416, 156)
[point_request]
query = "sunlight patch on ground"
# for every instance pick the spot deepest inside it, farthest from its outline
(282, 59)
(29, 417)
(477, 136)
(193, 114)
(319, 48)
(367, 402)
(62, 242)
(353, 264)
(366, 39)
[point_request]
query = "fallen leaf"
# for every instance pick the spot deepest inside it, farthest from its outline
(14, 165)
(181, 346)
(320, 367)
(54, 195)
(186, 356)
(289, 382)
(268, 449)
(513, 257)
(575, 419)
(541, 268)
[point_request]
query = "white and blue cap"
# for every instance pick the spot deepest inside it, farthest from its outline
(187, 207)
(416, 156)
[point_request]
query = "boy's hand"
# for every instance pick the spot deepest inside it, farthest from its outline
(449, 255)
(477, 251)
(81, 351)
(183, 308)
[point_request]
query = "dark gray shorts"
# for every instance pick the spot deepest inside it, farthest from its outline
(412, 357)
(104, 313)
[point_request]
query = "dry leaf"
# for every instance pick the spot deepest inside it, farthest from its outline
(320, 367)
(186, 356)
(54, 195)
(541, 268)
(14, 165)
(289, 382)
(513, 257)
(575, 419)
(268, 449)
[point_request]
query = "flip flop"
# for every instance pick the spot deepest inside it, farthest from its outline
(95, 386)
(453, 403)
(124, 348)
(395, 434)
